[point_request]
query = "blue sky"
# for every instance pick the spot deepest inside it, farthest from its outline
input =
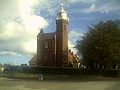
(21, 20)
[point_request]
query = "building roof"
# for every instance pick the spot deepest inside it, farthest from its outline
(33, 60)
(73, 55)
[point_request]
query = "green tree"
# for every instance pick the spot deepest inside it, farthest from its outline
(100, 46)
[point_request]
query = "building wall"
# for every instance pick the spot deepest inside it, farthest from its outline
(46, 55)
(61, 41)
(56, 53)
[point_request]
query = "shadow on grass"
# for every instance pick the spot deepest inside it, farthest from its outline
(78, 78)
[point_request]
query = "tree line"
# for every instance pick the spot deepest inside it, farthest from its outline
(100, 46)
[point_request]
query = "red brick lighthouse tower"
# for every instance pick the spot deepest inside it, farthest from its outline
(61, 37)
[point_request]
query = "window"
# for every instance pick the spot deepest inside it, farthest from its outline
(64, 27)
(46, 45)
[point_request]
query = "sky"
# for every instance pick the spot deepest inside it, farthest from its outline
(21, 21)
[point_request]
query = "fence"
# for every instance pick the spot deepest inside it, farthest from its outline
(62, 71)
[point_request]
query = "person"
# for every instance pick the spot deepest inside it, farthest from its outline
(40, 76)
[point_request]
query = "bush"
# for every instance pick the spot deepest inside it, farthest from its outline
(110, 73)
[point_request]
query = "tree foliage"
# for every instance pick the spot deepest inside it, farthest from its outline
(101, 44)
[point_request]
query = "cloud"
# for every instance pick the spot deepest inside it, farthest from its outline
(19, 27)
(73, 36)
(92, 8)
(53, 5)
(49, 9)
(9, 53)
(19, 37)
(82, 1)
(101, 8)
(9, 8)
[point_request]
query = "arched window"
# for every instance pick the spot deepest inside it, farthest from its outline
(46, 45)
(64, 27)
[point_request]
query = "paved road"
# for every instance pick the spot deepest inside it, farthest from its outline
(13, 84)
